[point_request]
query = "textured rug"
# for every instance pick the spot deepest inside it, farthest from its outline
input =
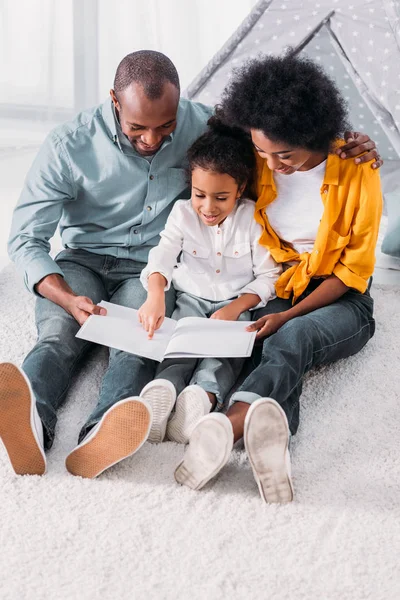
(133, 533)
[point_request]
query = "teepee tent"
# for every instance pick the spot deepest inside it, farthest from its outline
(356, 41)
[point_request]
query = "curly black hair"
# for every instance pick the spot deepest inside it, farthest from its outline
(290, 99)
(224, 149)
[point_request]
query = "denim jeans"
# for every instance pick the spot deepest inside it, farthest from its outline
(320, 337)
(214, 375)
(51, 363)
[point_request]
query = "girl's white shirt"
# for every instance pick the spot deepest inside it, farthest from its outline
(216, 263)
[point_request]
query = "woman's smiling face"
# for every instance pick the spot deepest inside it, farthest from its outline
(283, 158)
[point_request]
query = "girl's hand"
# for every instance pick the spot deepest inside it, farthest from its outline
(268, 324)
(152, 313)
(227, 313)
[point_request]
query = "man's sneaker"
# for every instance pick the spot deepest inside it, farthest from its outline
(192, 404)
(21, 429)
(161, 396)
(210, 446)
(266, 437)
(122, 430)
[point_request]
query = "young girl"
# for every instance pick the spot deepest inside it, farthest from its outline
(222, 273)
(320, 218)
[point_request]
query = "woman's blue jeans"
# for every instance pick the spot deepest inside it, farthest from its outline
(323, 336)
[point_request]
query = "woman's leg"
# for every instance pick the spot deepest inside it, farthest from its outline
(321, 337)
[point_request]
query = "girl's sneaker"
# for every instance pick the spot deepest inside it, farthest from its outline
(161, 396)
(192, 404)
(266, 438)
(123, 429)
(209, 449)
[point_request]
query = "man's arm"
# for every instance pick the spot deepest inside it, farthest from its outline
(47, 186)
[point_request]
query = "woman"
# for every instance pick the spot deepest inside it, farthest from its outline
(320, 217)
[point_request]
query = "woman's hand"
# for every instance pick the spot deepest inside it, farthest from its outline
(152, 313)
(268, 324)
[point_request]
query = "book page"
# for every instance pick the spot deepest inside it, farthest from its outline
(198, 337)
(121, 329)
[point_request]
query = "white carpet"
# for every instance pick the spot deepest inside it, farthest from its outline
(134, 534)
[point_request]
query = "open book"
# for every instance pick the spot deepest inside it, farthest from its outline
(190, 337)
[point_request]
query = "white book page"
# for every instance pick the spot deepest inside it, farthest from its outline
(121, 329)
(199, 337)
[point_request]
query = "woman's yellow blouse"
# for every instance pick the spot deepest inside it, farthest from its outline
(348, 230)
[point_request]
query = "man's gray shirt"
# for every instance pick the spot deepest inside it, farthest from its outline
(105, 198)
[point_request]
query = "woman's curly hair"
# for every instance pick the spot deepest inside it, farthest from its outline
(224, 149)
(290, 99)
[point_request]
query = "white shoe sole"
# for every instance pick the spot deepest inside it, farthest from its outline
(122, 430)
(17, 429)
(192, 404)
(266, 436)
(161, 395)
(209, 449)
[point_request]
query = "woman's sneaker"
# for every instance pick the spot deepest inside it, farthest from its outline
(209, 449)
(192, 404)
(122, 430)
(266, 438)
(21, 429)
(161, 396)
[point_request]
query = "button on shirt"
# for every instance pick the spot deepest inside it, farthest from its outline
(104, 196)
(216, 263)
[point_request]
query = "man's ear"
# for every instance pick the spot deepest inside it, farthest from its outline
(114, 99)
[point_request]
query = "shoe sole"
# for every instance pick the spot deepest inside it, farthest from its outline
(270, 470)
(121, 433)
(185, 472)
(180, 427)
(162, 405)
(16, 431)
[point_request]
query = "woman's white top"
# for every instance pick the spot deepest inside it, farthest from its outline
(215, 263)
(296, 212)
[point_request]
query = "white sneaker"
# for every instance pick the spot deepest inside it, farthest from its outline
(161, 396)
(122, 430)
(192, 404)
(266, 437)
(21, 429)
(209, 449)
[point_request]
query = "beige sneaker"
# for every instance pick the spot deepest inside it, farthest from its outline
(209, 449)
(123, 429)
(266, 437)
(21, 429)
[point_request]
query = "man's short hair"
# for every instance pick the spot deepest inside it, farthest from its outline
(150, 69)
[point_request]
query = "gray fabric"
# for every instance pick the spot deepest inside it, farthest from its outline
(358, 43)
(391, 241)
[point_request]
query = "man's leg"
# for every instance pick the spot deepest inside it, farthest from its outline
(50, 364)
(29, 398)
(126, 374)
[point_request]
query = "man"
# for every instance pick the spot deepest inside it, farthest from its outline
(108, 179)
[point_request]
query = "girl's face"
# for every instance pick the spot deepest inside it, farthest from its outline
(214, 195)
(282, 158)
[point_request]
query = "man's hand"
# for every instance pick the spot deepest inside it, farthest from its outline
(81, 307)
(55, 288)
(152, 313)
(230, 312)
(268, 324)
(358, 143)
